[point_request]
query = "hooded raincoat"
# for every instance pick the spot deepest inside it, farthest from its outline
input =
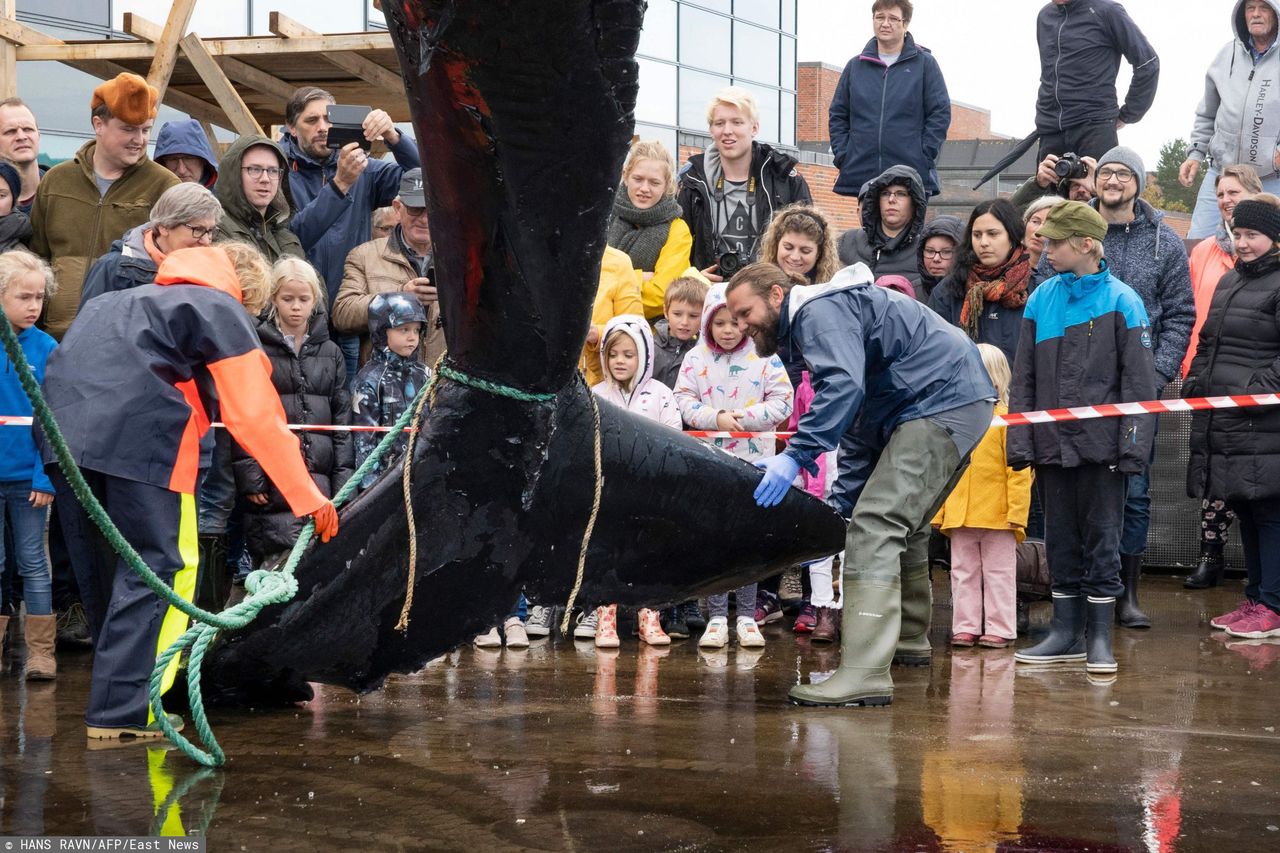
(187, 138)
(939, 226)
(131, 262)
(868, 244)
(241, 221)
(648, 397)
(714, 380)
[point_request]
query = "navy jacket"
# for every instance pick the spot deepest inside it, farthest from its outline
(126, 265)
(1081, 43)
(999, 326)
(1085, 341)
(876, 359)
(329, 223)
(187, 137)
(884, 116)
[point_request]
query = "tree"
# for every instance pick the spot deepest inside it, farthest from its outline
(1176, 197)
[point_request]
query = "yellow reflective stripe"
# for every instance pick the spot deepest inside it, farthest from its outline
(161, 784)
(184, 584)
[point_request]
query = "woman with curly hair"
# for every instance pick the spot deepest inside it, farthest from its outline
(800, 241)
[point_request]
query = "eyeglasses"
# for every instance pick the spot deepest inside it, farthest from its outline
(886, 19)
(199, 233)
(256, 172)
(900, 195)
(1124, 176)
(413, 212)
(945, 254)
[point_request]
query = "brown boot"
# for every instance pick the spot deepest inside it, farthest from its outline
(41, 634)
(827, 629)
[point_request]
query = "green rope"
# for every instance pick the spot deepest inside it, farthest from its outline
(492, 387)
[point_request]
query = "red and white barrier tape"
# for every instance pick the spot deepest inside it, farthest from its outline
(1079, 413)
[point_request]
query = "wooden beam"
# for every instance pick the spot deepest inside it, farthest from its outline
(242, 120)
(58, 51)
(255, 78)
(167, 47)
(362, 67)
(8, 52)
(13, 32)
(140, 28)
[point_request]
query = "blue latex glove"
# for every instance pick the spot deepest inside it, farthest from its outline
(779, 471)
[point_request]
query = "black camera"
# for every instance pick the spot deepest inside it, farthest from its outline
(1069, 168)
(730, 262)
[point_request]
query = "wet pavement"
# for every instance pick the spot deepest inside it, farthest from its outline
(565, 747)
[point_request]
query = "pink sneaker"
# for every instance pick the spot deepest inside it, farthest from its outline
(1243, 609)
(1263, 622)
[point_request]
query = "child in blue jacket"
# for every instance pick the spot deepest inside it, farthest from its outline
(25, 490)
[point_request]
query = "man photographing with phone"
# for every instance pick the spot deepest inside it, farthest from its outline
(336, 189)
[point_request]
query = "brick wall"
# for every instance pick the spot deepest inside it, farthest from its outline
(970, 123)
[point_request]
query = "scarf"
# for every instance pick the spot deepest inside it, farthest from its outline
(641, 233)
(15, 231)
(1005, 283)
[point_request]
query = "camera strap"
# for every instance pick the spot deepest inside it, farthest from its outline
(722, 211)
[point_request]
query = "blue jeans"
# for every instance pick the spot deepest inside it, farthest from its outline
(216, 488)
(1260, 538)
(350, 346)
(28, 524)
(1137, 505)
(1205, 217)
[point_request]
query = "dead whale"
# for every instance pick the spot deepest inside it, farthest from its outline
(523, 111)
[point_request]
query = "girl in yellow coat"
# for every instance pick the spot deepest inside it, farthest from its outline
(986, 518)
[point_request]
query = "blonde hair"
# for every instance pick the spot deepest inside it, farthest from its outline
(807, 221)
(253, 273)
(738, 98)
(21, 262)
(1094, 250)
(658, 153)
(613, 338)
(290, 268)
(1244, 173)
(685, 289)
(998, 369)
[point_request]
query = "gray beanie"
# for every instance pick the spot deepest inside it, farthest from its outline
(1128, 158)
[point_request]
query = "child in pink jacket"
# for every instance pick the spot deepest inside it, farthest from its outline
(725, 385)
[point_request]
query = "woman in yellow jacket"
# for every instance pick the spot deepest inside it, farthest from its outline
(986, 518)
(646, 223)
(619, 293)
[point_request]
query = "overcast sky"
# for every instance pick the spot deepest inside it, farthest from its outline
(987, 50)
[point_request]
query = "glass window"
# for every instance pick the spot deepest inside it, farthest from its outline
(704, 39)
(658, 38)
(755, 53)
(761, 11)
(345, 17)
(210, 20)
(96, 13)
(788, 63)
(665, 135)
(788, 119)
(696, 91)
(377, 20)
(718, 5)
(767, 103)
(789, 16)
(657, 99)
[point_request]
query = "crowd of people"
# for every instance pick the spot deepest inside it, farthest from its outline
(292, 281)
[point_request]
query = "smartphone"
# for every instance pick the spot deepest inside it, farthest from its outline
(347, 120)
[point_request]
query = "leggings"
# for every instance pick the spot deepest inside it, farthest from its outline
(1215, 521)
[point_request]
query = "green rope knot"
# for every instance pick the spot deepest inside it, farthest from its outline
(277, 586)
(450, 372)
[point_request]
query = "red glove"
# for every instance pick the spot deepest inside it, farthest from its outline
(326, 519)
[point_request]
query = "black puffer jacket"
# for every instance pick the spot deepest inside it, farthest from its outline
(1235, 453)
(887, 255)
(312, 385)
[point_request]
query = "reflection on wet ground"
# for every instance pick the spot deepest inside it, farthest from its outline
(566, 747)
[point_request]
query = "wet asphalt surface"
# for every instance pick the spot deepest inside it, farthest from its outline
(566, 747)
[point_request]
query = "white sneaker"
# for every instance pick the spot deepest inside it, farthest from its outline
(586, 627)
(717, 634)
(749, 636)
(540, 622)
(513, 628)
(488, 640)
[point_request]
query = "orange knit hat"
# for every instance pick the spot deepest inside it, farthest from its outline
(128, 97)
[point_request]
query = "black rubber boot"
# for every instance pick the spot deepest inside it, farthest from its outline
(213, 580)
(1024, 617)
(1128, 614)
(1099, 658)
(1065, 642)
(1208, 571)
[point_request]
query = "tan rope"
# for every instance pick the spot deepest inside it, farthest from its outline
(591, 521)
(406, 481)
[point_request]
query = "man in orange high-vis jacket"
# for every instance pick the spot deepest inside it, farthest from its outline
(135, 384)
